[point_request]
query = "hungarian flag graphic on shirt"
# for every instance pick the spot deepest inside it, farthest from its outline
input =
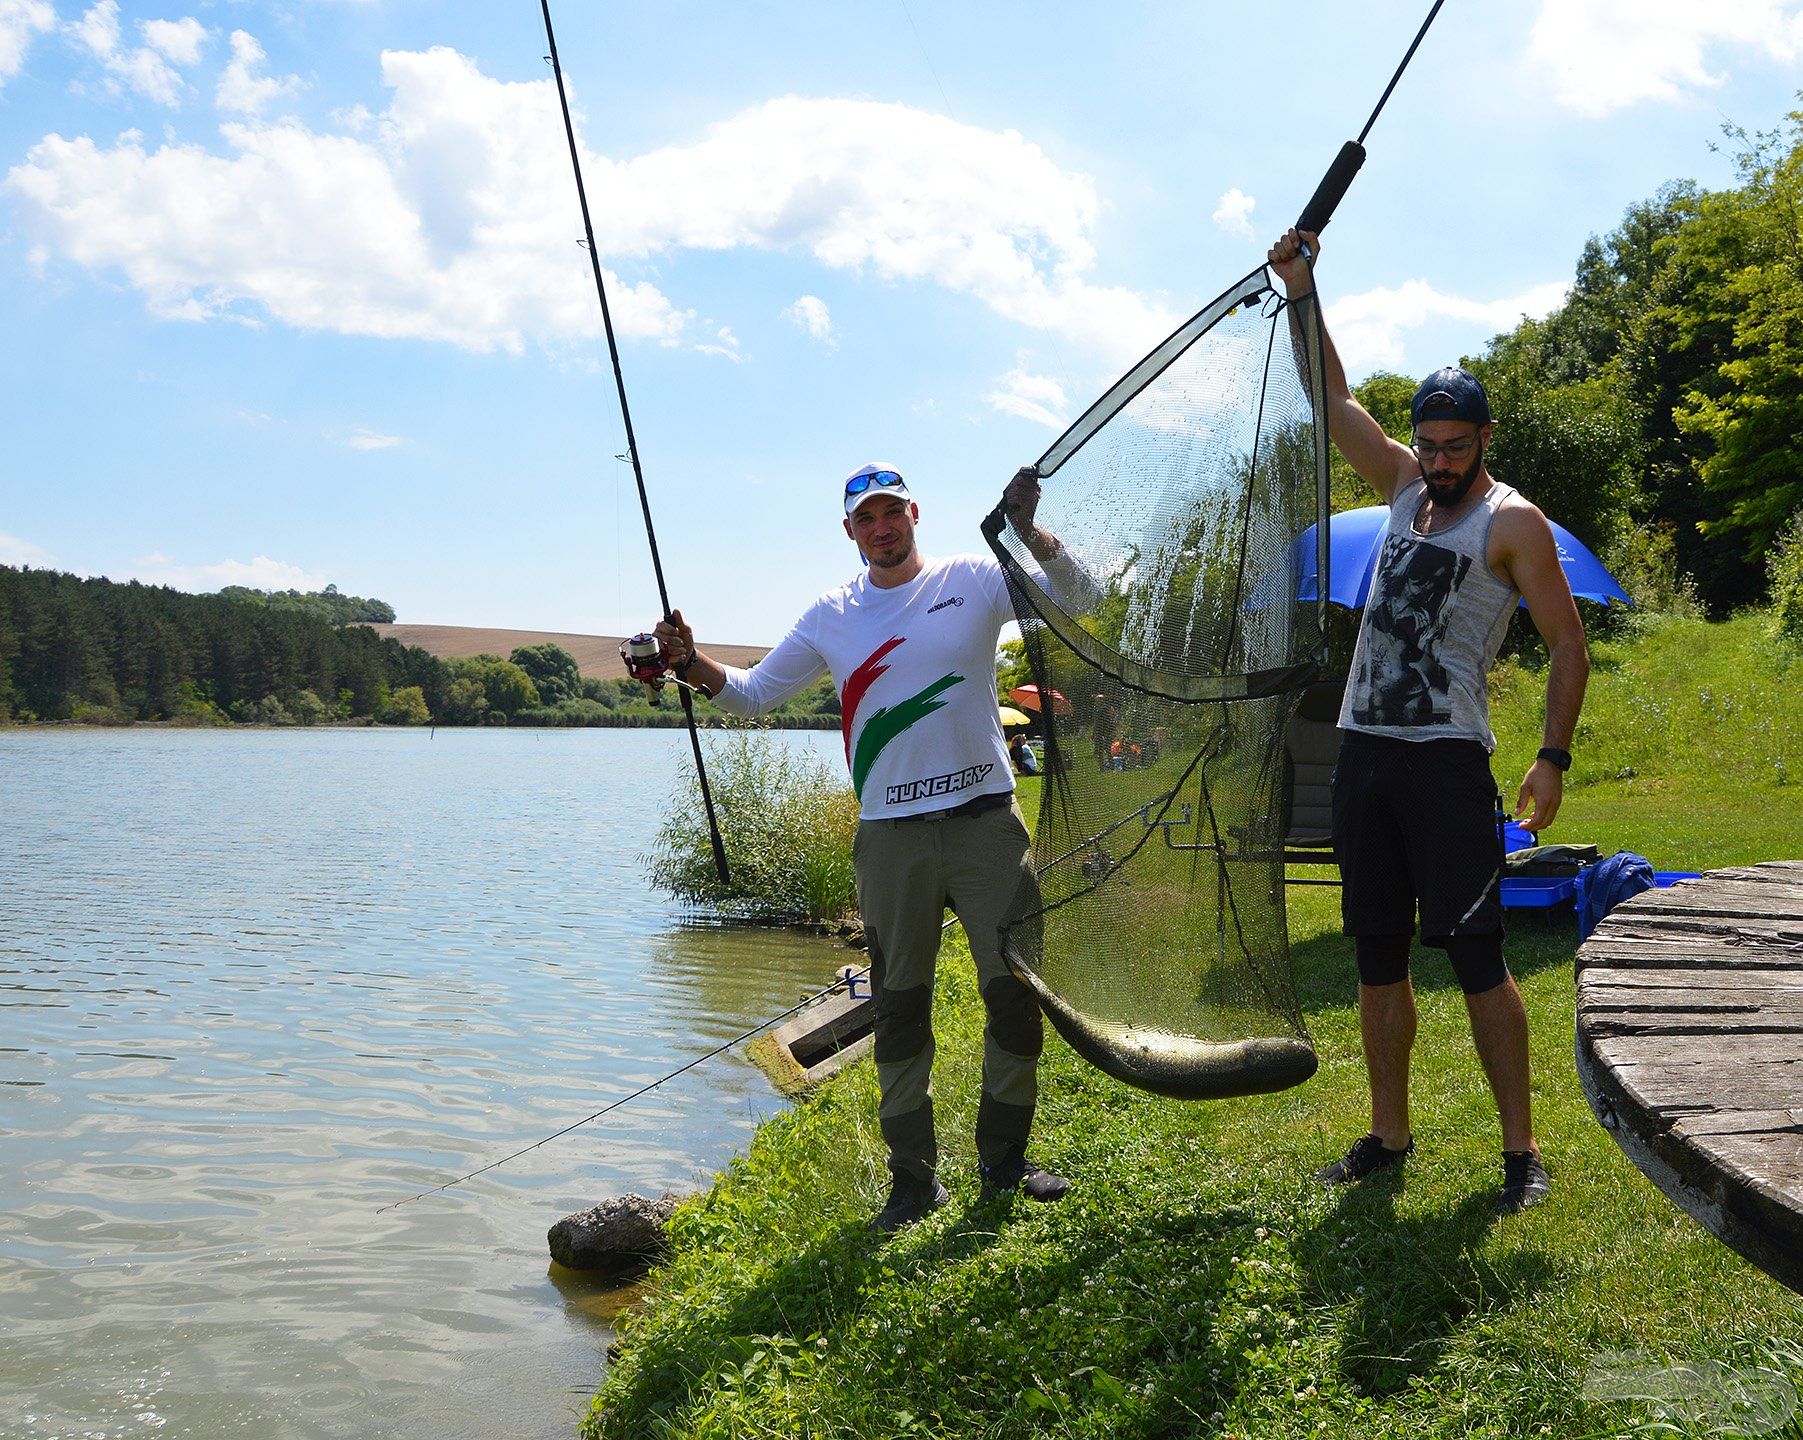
(888, 721)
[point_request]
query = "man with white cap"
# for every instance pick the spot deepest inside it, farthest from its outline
(910, 643)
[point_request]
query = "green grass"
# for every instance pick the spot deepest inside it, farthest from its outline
(1195, 1282)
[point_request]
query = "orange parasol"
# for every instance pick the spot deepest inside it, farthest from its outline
(1027, 697)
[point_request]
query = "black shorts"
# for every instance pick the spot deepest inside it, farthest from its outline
(1414, 825)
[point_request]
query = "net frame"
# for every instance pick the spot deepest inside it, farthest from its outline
(1189, 1067)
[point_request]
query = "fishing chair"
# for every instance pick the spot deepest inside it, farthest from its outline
(1311, 745)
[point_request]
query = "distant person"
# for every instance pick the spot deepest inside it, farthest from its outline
(1412, 793)
(910, 642)
(1102, 722)
(1021, 756)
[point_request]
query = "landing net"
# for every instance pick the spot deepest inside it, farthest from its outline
(1155, 933)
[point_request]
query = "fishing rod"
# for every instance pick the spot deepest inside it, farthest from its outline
(846, 979)
(1338, 178)
(632, 446)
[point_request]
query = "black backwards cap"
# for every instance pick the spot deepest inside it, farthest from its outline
(1450, 394)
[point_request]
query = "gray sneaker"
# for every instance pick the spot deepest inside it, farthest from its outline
(1367, 1156)
(1525, 1182)
(911, 1200)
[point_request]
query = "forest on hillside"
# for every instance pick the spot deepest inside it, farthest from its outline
(100, 652)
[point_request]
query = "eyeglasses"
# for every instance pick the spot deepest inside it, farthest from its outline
(1453, 450)
(858, 484)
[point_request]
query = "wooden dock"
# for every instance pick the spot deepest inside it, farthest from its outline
(1690, 1049)
(820, 1041)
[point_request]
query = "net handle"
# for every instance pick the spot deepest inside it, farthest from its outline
(1346, 164)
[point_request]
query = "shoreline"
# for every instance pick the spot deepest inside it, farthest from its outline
(636, 720)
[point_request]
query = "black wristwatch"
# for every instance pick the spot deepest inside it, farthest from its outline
(1560, 758)
(682, 674)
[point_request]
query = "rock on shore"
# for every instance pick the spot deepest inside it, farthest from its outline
(621, 1238)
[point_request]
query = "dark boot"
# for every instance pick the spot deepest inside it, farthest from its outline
(1015, 1172)
(911, 1199)
(1367, 1156)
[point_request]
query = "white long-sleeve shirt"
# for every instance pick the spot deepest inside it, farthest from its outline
(915, 669)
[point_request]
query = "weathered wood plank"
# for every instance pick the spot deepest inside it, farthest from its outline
(1679, 932)
(1690, 1048)
(1740, 941)
(1722, 1053)
(1735, 1009)
(1781, 980)
(1771, 1164)
(1738, 1122)
(1709, 1024)
(1752, 904)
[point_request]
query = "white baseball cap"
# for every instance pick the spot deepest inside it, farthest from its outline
(869, 481)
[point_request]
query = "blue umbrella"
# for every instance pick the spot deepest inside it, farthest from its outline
(1355, 536)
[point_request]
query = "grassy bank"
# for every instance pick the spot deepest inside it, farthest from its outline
(1195, 1283)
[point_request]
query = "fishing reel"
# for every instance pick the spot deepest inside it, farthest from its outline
(648, 662)
(644, 658)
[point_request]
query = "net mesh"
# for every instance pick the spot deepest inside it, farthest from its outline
(1155, 933)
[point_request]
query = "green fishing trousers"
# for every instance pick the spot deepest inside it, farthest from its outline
(908, 872)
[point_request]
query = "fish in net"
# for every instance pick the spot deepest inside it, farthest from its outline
(1154, 931)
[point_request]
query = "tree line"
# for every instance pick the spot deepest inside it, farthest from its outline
(327, 604)
(1658, 412)
(105, 652)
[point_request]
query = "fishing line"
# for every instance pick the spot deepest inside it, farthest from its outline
(846, 979)
(839, 982)
(632, 446)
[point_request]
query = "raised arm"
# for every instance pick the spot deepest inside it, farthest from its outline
(1069, 583)
(1385, 463)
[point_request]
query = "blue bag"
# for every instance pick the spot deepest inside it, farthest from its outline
(1604, 885)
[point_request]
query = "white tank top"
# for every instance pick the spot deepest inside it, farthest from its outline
(1432, 626)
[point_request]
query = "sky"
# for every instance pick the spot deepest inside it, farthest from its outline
(293, 293)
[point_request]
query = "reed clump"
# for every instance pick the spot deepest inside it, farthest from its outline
(788, 821)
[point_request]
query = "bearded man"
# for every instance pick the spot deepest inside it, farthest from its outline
(1414, 825)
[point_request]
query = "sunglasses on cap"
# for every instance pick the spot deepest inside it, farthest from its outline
(886, 479)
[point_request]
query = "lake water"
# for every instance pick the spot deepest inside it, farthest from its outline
(256, 985)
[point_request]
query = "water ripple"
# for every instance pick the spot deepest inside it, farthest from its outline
(253, 987)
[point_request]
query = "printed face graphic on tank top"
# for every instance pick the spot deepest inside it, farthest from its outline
(1400, 679)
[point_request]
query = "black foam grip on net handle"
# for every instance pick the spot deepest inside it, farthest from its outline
(1332, 189)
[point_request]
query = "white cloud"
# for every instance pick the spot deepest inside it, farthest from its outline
(177, 41)
(98, 30)
(151, 69)
(365, 439)
(811, 314)
(725, 344)
(896, 192)
(1604, 55)
(449, 216)
(14, 551)
(21, 22)
(1038, 398)
(1368, 328)
(261, 573)
(241, 89)
(1234, 213)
